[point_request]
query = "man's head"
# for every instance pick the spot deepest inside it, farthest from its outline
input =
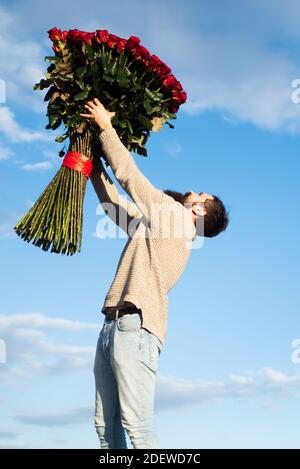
(205, 205)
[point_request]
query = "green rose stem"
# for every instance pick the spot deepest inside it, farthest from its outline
(55, 220)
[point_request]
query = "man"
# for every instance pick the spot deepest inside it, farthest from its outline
(161, 226)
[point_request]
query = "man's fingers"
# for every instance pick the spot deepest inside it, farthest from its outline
(91, 104)
(87, 115)
(96, 100)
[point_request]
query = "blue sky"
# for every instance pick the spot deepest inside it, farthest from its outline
(229, 375)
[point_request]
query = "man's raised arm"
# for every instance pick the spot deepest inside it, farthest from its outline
(120, 210)
(146, 196)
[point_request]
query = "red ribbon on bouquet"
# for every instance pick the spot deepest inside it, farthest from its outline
(79, 162)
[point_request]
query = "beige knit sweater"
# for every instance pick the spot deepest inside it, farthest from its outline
(160, 232)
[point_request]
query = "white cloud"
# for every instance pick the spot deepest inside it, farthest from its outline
(42, 165)
(277, 377)
(52, 156)
(38, 320)
(15, 132)
(239, 379)
(5, 153)
(173, 148)
(69, 417)
(237, 75)
(24, 67)
(7, 223)
(174, 392)
(233, 61)
(8, 434)
(30, 350)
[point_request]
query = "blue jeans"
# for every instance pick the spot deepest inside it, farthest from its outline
(125, 369)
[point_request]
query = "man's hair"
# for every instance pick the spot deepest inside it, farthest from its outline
(217, 217)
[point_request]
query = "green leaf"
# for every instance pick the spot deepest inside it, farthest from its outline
(104, 61)
(145, 121)
(90, 51)
(148, 106)
(122, 78)
(49, 93)
(142, 151)
(107, 94)
(112, 68)
(64, 77)
(82, 95)
(94, 70)
(70, 122)
(152, 95)
(42, 84)
(51, 58)
(61, 84)
(170, 115)
(81, 84)
(129, 126)
(80, 72)
(122, 59)
(123, 124)
(54, 121)
(56, 125)
(61, 138)
(108, 78)
(170, 125)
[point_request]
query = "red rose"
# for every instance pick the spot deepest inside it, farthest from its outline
(174, 108)
(54, 34)
(120, 46)
(183, 96)
(144, 52)
(64, 35)
(112, 40)
(57, 35)
(56, 48)
(141, 53)
(176, 96)
(179, 96)
(75, 35)
(169, 82)
(134, 39)
(178, 86)
(132, 43)
(102, 35)
(154, 63)
(86, 37)
(164, 70)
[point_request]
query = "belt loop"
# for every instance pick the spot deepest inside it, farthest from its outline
(117, 314)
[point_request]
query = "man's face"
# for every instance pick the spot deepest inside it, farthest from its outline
(196, 200)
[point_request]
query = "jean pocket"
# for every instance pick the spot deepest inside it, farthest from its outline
(152, 351)
(129, 322)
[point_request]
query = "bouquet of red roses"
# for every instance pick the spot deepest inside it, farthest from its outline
(137, 86)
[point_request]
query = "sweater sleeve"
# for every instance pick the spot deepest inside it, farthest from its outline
(147, 197)
(120, 211)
